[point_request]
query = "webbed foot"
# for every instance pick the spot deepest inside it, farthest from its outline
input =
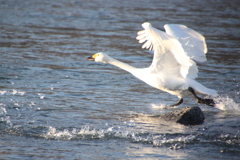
(209, 102)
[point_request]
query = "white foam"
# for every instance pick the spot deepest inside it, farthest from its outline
(3, 92)
(13, 92)
(66, 134)
(222, 103)
(41, 95)
(53, 133)
(3, 116)
(86, 132)
(161, 106)
(159, 141)
(21, 93)
(226, 103)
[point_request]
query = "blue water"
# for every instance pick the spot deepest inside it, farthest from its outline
(56, 105)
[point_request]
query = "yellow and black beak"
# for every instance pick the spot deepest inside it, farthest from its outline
(92, 58)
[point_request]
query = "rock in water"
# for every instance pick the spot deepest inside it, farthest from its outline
(187, 116)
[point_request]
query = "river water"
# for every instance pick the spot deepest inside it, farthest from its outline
(56, 105)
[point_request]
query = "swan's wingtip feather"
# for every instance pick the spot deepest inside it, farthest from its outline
(166, 25)
(146, 25)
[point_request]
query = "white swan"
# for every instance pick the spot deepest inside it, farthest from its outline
(173, 68)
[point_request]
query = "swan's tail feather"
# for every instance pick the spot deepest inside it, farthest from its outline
(199, 88)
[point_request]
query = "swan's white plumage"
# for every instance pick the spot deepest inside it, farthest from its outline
(173, 68)
(169, 55)
(192, 42)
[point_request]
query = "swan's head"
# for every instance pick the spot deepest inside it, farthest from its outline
(99, 57)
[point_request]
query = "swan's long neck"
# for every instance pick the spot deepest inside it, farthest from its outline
(141, 73)
(121, 65)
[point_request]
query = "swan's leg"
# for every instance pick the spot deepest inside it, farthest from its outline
(209, 102)
(178, 103)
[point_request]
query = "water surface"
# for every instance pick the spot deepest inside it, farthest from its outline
(56, 105)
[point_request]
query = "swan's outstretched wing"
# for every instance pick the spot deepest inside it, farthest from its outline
(169, 56)
(192, 42)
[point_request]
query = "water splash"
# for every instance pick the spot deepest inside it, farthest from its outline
(13, 92)
(3, 115)
(222, 102)
(3, 92)
(160, 106)
(175, 142)
(83, 133)
(87, 133)
(226, 103)
(41, 95)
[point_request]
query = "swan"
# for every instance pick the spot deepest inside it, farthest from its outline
(173, 67)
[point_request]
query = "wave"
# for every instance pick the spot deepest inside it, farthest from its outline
(87, 133)
(172, 141)
(12, 92)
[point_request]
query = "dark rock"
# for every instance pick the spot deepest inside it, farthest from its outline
(187, 116)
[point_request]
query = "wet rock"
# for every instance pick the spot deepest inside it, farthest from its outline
(187, 116)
